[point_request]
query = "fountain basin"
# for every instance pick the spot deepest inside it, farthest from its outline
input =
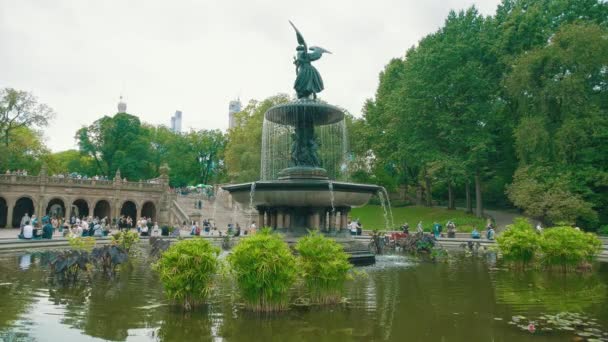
(302, 193)
(317, 112)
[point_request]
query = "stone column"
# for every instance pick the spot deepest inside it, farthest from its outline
(261, 222)
(343, 218)
(332, 221)
(273, 219)
(287, 220)
(10, 204)
(316, 220)
(280, 216)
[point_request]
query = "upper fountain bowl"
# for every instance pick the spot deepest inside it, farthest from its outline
(292, 112)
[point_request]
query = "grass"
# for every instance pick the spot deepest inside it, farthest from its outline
(372, 216)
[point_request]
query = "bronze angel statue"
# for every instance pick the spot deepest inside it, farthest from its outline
(308, 80)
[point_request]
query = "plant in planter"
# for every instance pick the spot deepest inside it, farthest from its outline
(125, 239)
(186, 270)
(519, 243)
(567, 248)
(265, 269)
(324, 266)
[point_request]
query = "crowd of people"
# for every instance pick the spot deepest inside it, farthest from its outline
(47, 227)
(208, 228)
(437, 230)
(17, 172)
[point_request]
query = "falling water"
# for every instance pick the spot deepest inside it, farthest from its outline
(390, 209)
(383, 202)
(251, 193)
(331, 196)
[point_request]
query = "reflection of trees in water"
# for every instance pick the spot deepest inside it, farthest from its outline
(108, 308)
(552, 291)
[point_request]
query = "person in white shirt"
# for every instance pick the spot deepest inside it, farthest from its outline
(252, 228)
(28, 230)
(155, 230)
(144, 231)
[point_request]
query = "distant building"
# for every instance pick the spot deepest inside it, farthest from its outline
(233, 108)
(122, 106)
(176, 122)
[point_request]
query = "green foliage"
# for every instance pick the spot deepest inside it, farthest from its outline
(265, 269)
(20, 109)
(80, 243)
(25, 151)
(243, 152)
(603, 230)
(125, 239)
(567, 248)
(324, 267)
(68, 266)
(519, 244)
(186, 271)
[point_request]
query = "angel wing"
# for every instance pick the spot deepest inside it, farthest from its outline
(319, 49)
(301, 40)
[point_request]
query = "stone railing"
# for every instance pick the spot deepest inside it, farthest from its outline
(75, 182)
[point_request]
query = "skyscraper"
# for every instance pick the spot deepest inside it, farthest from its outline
(233, 108)
(176, 122)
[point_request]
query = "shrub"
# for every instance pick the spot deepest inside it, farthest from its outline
(567, 247)
(265, 269)
(125, 239)
(519, 243)
(324, 267)
(186, 270)
(603, 230)
(79, 243)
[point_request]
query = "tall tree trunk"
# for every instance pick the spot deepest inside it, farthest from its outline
(478, 201)
(468, 196)
(419, 194)
(428, 193)
(450, 196)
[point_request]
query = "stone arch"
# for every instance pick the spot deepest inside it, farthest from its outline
(129, 208)
(55, 208)
(3, 212)
(103, 209)
(23, 205)
(149, 210)
(80, 208)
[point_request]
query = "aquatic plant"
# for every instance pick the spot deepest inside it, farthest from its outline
(186, 270)
(265, 269)
(519, 243)
(324, 266)
(66, 266)
(108, 257)
(417, 243)
(158, 246)
(82, 243)
(125, 239)
(567, 248)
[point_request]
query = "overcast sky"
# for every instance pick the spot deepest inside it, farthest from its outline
(195, 56)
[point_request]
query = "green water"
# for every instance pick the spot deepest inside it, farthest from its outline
(399, 299)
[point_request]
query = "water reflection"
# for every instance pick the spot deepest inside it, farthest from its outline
(467, 299)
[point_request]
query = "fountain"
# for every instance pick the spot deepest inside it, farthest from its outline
(303, 153)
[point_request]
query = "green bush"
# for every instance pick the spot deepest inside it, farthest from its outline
(265, 269)
(568, 248)
(80, 243)
(324, 267)
(603, 230)
(186, 270)
(519, 243)
(125, 239)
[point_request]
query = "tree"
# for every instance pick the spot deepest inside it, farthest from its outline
(243, 151)
(24, 152)
(118, 142)
(560, 91)
(21, 109)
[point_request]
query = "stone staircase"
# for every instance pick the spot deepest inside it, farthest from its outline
(221, 209)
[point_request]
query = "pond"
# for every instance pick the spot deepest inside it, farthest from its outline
(400, 298)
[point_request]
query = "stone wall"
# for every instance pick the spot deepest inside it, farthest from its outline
(104, 197)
